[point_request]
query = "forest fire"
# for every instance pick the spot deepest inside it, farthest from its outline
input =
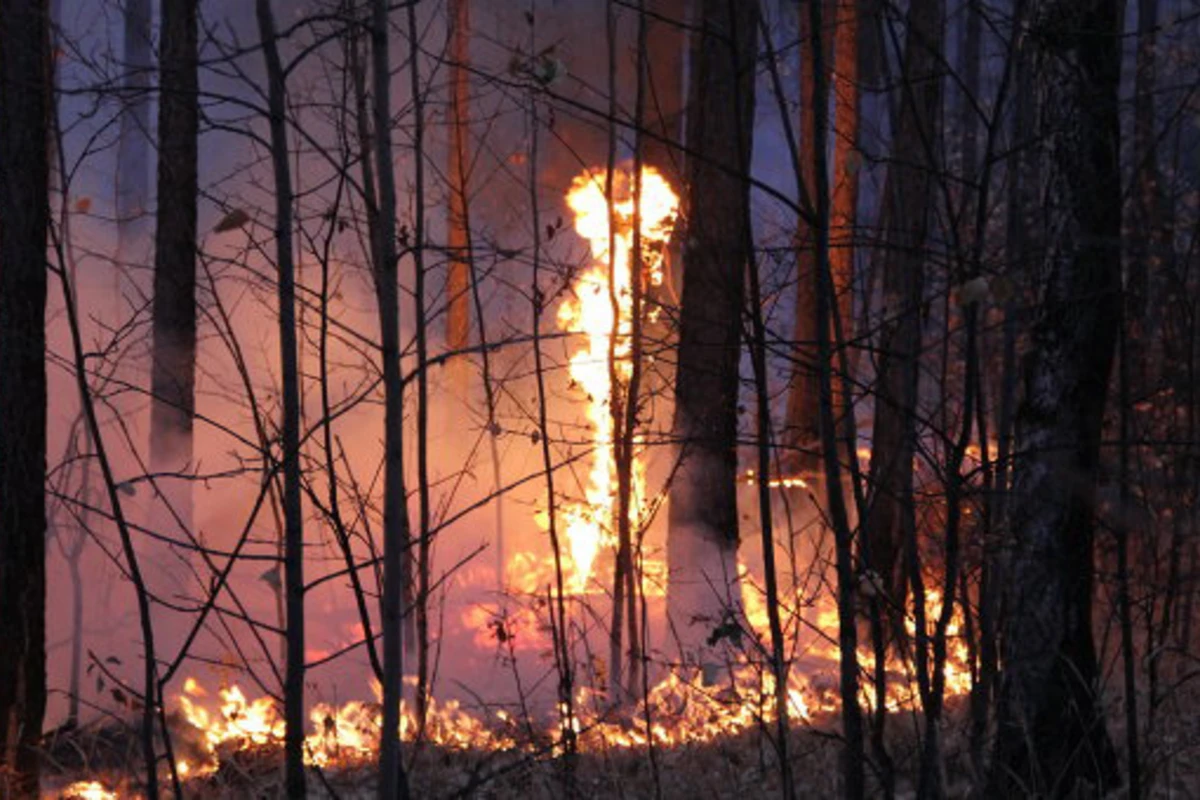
(678, 710)
(608, 399)
(602, 310)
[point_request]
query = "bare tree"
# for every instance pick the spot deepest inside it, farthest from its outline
(393, 783)
(293, 556)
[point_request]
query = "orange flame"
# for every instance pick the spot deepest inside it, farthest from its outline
(88, 790)
(602, 311)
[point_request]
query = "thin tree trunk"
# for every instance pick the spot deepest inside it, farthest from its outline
(293, 688)
(1125, 511)
(393, 782)
(852, 756)
(424, 543)
(622, 459)
(762, 395)
(703, 522)
(556, 596)
(1052, 735)
(173, 368)
(1017, 245)
(1142, 265)
(458, 276)
(908, 197)
(1146, 212)
(25, 97)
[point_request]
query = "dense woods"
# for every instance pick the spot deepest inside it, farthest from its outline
(618, 398)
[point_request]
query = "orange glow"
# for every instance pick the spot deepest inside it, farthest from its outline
(88, 790)
(681, 708)
(601, 310)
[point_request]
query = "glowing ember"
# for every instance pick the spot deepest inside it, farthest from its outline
(790, 482)
(87, 790)
(602, 311)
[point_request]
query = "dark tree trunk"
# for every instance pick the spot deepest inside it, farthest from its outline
(703, 523)
(393, 784)
(293, 538)
(1147, 213)
(908, 197)
(424, 542)
(1052, 737)
(133, 144)
(173, 375)
(25, 95)
(666, 31)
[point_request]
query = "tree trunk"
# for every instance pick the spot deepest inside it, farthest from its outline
(703, 523)
(293, 689)
(1147, 209)
(908, 196)
(424, 544)
(133, 143)
(846, 162)
(393, 784)
(173, 370)
(458, 276)
(852, 755)
(802, 428)
(665, 27)
(1052, 737)
(25, 96)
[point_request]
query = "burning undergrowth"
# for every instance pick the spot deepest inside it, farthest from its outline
(627, 699)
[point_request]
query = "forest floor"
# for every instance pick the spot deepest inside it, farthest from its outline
(741, 767)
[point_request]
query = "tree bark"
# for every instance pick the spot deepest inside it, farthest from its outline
(458, 276)
(665, 26)
(25, 96)
(908, 196)
(173, 369)
(393, 783)
(1051, 737)
(424, 543)
(293, 689)
(846, 162)
(703, 524)
(133, 142)
(852, 755)
(802, 427)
